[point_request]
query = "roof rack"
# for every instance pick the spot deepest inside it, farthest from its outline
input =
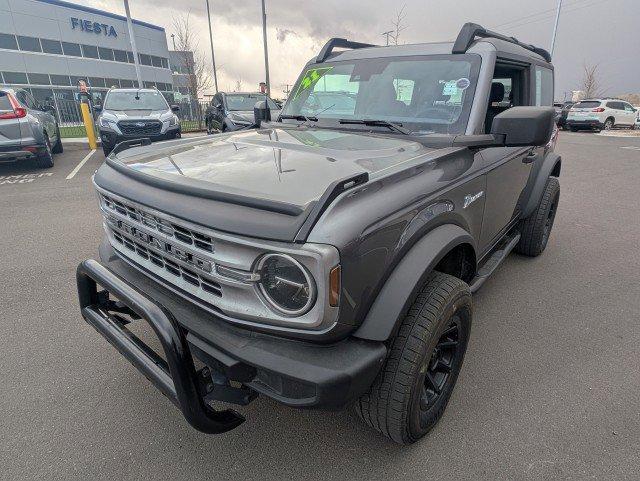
(339, 43)
(470, 31)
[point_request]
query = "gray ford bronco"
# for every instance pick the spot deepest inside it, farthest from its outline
(328, 258)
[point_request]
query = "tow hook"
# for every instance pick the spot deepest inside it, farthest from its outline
(215, 386)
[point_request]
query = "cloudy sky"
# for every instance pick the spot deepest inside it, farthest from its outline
(604, 32)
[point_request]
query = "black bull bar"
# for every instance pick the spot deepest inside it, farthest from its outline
(176, 377)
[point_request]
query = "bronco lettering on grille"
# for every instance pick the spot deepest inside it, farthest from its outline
(167, 248)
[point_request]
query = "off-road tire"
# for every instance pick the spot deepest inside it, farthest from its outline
(536, 229)
(58, 148)
(44, 160)
(393, 404)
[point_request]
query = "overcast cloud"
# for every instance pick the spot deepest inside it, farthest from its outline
(593, 31)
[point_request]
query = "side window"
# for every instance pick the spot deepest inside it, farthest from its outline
(543, 86)
(629, 108)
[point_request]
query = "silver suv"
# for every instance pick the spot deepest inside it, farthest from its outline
(134, 114)
(28, 130)
(601, 114)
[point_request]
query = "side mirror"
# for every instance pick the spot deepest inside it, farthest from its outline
(261, 112)
(524, 126)
(97, 108)
(175, 108)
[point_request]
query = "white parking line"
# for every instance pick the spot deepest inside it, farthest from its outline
(631, 147)
(79, 166)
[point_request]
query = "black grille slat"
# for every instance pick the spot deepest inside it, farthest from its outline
(132, 128)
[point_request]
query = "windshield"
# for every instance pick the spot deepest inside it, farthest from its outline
(244, 102)
(134, 100)
(423, 94)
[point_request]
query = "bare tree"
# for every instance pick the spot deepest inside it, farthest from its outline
(398, 25)
(194, 64)
(591, 85)
(238, 87)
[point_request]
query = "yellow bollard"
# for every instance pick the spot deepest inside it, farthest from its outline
(88, 125)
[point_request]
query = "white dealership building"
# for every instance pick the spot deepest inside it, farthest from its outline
(46, 46)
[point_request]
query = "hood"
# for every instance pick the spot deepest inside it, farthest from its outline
(289, 166)
(271, 183)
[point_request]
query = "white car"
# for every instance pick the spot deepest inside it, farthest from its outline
(599, 114)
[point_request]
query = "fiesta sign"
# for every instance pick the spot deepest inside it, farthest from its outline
(93, 27)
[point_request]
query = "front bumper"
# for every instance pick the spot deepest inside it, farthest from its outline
(111, 138)
(295, 373)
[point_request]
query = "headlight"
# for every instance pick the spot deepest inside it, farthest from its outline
(285, 284)
(106, 123)
(173, 120)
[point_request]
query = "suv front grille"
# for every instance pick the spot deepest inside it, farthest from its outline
(143, 128)
(168, 265)
(181, 233)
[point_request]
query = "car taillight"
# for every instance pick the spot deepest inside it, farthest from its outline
(599, 109)
(18, 110)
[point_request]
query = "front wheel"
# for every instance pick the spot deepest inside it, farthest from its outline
(608, 124)
(58, 148)
(412, 390)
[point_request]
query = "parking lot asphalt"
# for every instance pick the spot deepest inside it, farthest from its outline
(550, 387)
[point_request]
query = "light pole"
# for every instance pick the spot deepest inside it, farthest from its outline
(132, 39)
(555, 27)
(266, 51)
(213, 56)
(173, 40)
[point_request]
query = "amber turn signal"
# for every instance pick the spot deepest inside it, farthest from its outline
(334, 286)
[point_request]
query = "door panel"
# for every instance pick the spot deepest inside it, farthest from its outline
(507, 178)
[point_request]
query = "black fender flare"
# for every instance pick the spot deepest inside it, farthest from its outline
(551, 166)
(403, 284)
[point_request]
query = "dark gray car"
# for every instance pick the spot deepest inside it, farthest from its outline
(328, 258)
(233, 111)
(28, 130)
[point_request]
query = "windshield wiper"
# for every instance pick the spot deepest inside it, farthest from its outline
(376, 123)
(299, 117)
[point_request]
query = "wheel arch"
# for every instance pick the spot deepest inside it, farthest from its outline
(448, 247)
(551, 167)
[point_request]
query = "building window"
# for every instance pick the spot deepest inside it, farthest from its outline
(15, 78)
(29, 44)
(39, 79)
(43, 96)
(71, 49)
(8, 41)
(96, 82)
(89, 51)
(130, 57)
(156, 61)
(164, 62)
(105, 53)
(126, 83)
(60, 79)
(51, 46)
(120, 56)
(112, 82)
(149, 85)
(75, 79)
(145, 59)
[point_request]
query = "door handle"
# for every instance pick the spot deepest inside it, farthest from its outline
(530, 157)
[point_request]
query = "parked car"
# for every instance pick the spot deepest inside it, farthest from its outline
(328, 259)
(599, 114)
(129, 114)
(637, 124)
(233, 111)
(28, 130)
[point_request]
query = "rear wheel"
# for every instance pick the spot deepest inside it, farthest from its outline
(412, 390)
(609, 123)
(44, 159)
(536, 229)
(573, 129)
(57, 148)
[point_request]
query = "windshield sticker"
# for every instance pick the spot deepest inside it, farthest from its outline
(463, 83)
(310, 78)
(451, 89)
